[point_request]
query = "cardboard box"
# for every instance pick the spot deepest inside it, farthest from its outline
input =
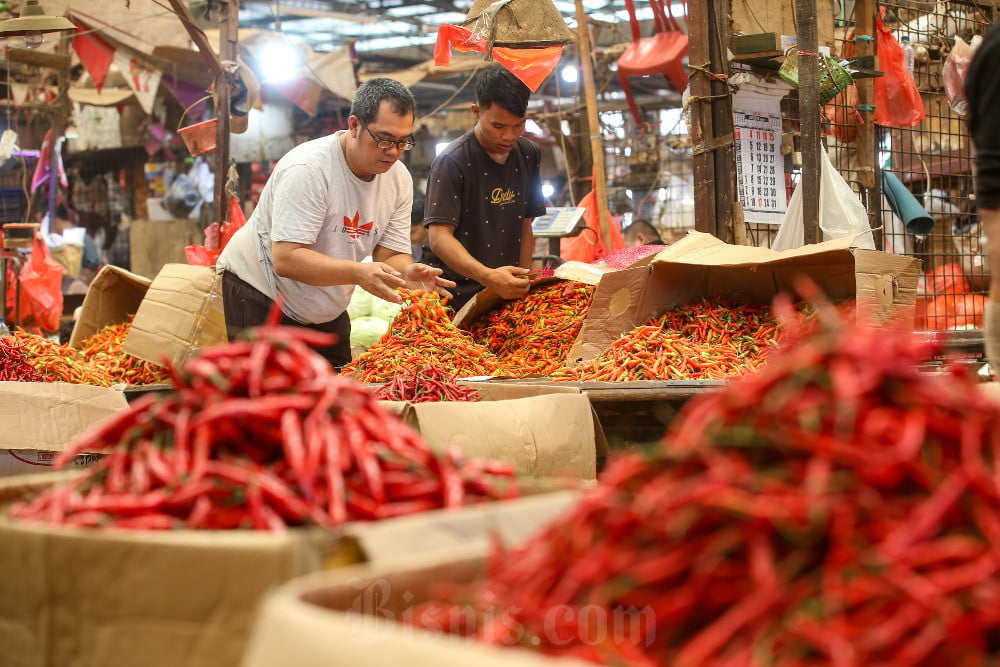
(181, 314)
(701, 266)
(351, 619)
(544, 431)
(89, 598)
(112, 297)
(48, 415)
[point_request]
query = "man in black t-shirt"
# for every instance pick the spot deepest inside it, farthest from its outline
(982, 89)
(482, 194)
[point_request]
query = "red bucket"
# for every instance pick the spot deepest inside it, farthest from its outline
(200, 137)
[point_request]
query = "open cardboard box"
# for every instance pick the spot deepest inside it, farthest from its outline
(701, 266)
(92, 598)
(40, 418)
(352, 619)
(111, 298)
(545, 431)
(181, 313)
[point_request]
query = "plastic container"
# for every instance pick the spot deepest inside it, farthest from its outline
(908, 57)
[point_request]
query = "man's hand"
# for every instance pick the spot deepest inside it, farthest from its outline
(509, 282)
(421, 276)
(380, 279)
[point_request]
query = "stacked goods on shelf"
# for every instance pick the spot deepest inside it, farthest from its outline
(423, 335)
(104, 348)
(425, 385)
(99, 360)
(698, 341)
(533, 335)
(838, 507)
(259, 434)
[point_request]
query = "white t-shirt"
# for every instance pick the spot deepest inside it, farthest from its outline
(312, 197)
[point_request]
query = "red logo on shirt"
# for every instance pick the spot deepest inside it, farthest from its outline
(355, 230)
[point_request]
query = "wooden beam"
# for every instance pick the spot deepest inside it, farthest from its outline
(864, 46)
(594, 121)
(809, 110)
(703, 162)
(229, 11)
(58, 61)
(198, 36)
(724, 156)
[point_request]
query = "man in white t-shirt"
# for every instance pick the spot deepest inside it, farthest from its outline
(328, 205)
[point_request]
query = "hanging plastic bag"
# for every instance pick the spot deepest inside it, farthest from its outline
(41, 286)
(897, 99)
(953, 73)
(841, 213)
(588, 245)
(236, 220)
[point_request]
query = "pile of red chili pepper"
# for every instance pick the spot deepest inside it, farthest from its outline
(697, 341)
(259, 434)
(423, 335)
(61, 363)
(14, 362)
(534, 334)
(840, 507)
(426, 385)
(104, 349)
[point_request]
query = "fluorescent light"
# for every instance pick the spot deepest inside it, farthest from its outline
(570, 74)
(279, 62)
(548, 189)
(440, 146)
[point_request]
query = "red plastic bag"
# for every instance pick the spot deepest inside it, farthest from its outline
(588, 246)
(199, 255)
(897, 100)
(236, 220)
(41, 287)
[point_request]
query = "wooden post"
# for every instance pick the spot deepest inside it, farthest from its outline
(596, 145)
(864, 45)
(711, 119)
(60, 118)
(808, 62)
(228, 34)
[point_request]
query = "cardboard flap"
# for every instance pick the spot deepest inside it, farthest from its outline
(446, 530)
(306, 623)
(543, 436)
(49, 415)
(182, 313)
(705, 249)
(113, 295)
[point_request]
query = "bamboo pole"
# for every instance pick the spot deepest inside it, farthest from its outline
(596, 145)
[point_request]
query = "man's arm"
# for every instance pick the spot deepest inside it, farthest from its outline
(507, 281)
(299, 262)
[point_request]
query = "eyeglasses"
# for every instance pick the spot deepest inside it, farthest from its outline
(385, 144)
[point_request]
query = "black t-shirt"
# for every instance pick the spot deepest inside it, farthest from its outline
(485, 202)
(982, 89)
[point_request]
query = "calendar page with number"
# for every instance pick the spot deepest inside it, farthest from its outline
(760, 169)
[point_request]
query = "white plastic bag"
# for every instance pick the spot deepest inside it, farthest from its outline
(953, 73)
(841, 213)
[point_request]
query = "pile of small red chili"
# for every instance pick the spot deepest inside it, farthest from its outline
(104, 349)
(426, 385)
(61, 363)
(423, 335)
(259, 434)
(697, 341)
(533, 335)
(14, 362)
(840, 507)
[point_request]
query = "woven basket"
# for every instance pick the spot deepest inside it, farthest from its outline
(518, 23)
(833, 78)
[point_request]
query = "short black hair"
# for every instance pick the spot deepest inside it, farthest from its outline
(62, 212)
(372, 93)
(640, 226)
(498, 86)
